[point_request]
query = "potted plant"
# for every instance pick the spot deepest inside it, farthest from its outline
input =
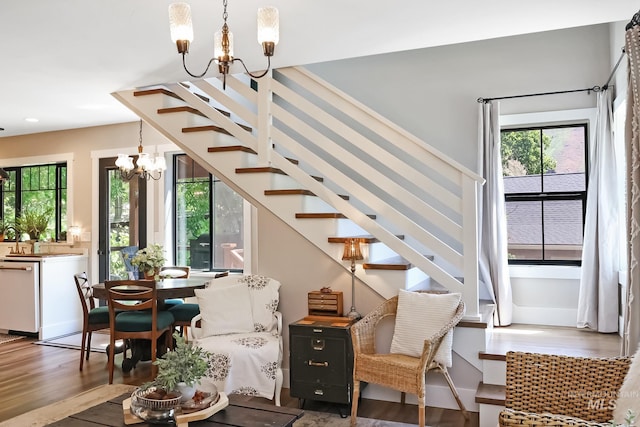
(33, 221)
(149, 260)
(182, 368)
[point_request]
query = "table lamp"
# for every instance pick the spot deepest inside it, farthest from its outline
(352, 252)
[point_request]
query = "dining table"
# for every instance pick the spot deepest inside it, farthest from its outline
(166, 288)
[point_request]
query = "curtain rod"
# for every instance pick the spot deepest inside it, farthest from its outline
(589, 89)
(615, 68)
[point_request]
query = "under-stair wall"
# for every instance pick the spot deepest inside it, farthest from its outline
(331, 168)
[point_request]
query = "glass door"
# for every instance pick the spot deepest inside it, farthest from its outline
(122, 218)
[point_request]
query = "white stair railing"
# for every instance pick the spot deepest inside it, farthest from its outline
(412, 189)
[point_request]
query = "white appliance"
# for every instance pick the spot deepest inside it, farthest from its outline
(20, 296)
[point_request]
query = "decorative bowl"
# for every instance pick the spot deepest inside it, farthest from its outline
(201, 400)
(147, 408)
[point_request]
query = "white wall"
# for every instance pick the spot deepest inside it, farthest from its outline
(432, 93)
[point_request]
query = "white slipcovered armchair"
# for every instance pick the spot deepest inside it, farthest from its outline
(240, 325)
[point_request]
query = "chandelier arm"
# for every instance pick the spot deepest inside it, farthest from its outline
(255, 76)
(195, 76)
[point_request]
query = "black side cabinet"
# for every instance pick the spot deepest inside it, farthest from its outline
(321, 360)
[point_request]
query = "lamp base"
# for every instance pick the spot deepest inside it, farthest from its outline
(353, 314)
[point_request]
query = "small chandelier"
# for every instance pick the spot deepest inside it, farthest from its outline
(145, 167)
(182, 36)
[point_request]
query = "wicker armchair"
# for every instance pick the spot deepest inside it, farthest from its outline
(396, 371)
(551, 390)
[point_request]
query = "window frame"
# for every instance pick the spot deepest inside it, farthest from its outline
(174, 216)
(544, 196)
(58, 190)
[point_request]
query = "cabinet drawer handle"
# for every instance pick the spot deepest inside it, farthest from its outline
(319, 364)
(318, 331)
(317, 344)
(318, 392)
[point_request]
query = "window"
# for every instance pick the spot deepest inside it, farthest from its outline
(208, 218)
(545, 186)
(37, 188)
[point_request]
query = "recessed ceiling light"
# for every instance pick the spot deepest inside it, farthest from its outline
(31, 120)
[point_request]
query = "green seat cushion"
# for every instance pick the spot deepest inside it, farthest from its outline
(139, 321)
(185, 312)
(172, 302)
(99, 315)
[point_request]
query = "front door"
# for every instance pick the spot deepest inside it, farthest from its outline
(122, 218)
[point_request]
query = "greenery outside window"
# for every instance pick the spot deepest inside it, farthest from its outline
(208, 218)
(41, 187)
(545, 185)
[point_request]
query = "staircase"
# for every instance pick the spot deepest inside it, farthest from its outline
(331, 168)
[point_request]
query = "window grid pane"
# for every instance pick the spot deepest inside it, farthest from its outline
(545, 178)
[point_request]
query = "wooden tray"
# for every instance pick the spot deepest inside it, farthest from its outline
(181, 420)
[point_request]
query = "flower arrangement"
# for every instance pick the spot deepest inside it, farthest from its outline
(186, 363)
(149, 260)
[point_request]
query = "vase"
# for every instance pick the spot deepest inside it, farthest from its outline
(187, 391)
(151, 275)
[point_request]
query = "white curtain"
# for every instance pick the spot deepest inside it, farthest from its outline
(494, 268)
(632, 138)
(598, 298)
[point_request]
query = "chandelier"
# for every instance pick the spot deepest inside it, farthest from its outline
(182, 36)
(145, 167)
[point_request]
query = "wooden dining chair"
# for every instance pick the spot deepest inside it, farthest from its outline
(174, 272)
(93, 318)
(138, 318)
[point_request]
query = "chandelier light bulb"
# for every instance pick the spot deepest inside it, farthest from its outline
(181, 26)
(268, 25)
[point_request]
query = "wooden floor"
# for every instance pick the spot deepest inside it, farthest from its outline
(32, 376)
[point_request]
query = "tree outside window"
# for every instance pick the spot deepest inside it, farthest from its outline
(545, 183)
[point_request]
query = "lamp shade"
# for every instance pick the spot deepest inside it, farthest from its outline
(352, 249)
(4, 175)
(268, 25)
(180, 22)
(124, 162)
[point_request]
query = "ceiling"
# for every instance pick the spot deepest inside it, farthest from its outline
(62, 59)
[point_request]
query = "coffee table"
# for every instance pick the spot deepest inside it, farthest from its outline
(107, 411)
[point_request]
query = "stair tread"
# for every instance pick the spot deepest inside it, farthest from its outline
(393, 263)
(188, 109)
(225, 148)
(159, 90)
(491, 394)
(260, 169)
(364, 238)
(214, 128)
(486, 316)
(327, 215)
(289, 191)
(295, 191)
